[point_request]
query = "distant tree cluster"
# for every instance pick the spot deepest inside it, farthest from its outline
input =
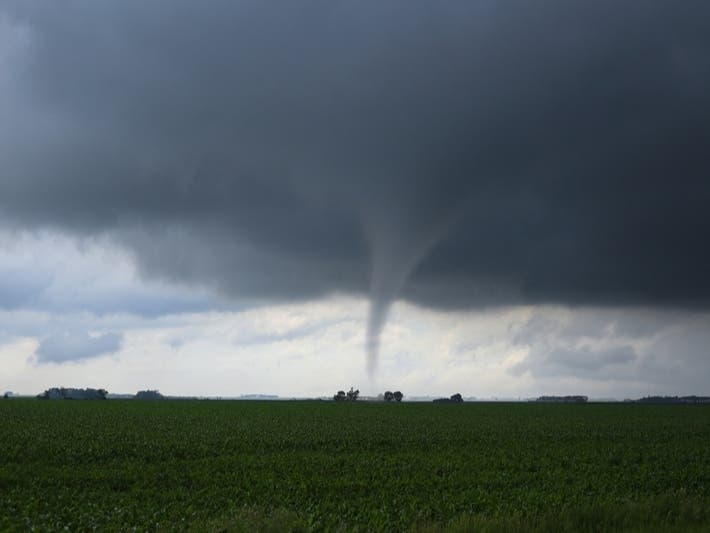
(455, 398)
(563, 399)
(395, 396)
(62, 393)
(674, 399)
(349, 396)
(148, 395)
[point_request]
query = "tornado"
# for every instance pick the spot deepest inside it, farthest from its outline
(388, 274)
(396, 248)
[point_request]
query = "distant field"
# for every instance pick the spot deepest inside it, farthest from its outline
(211, 465)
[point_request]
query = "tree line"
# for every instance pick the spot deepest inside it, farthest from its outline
(353, 394)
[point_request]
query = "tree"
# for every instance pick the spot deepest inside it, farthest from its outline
(349, 396)
(353, 394)
(389, 396)
(148, 395)
(63, 393)
(456, 398)
(340, 396)
(398, 396)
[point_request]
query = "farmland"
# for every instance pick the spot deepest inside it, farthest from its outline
(221, 465)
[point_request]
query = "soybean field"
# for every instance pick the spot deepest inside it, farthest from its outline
(353, 466)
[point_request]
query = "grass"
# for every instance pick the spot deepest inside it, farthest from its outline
(275, 466)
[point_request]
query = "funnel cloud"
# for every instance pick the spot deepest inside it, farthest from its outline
(456, 155)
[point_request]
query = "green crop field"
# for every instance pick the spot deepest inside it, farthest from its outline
(222, 465)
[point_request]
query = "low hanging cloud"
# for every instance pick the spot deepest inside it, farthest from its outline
(651, 350)
(85, 276)
(583, 362)
(456, 155)
(74, 345)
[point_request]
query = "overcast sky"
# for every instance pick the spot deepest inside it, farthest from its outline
(485, 197)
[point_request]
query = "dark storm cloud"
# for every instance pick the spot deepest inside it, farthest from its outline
(457, 154)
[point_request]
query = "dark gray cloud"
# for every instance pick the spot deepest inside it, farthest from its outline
(457, 154)
(651, 351)
(73, 345)
(582, 362)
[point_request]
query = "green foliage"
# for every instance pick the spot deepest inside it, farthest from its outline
(274, 466)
